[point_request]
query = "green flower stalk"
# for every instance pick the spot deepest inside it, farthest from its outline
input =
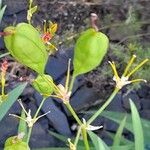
(120, 82)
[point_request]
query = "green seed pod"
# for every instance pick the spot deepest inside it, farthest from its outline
(90, 49)
(13, 143)
(25, 45)
(44, 85)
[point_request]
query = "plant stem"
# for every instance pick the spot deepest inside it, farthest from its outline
(37, 112)
(41, 104)
(29, 134)
(77, 136)
(69, 107)
(103, 107)
(83, 128)
(72, 82)
(85, 139)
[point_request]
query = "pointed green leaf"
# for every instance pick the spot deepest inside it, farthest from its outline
(98, 143)
(58, 136)
(125, 147)
(118, 135)
(123, 140)
(118, 116)
(137, 127)
(3, 55)
(12, 97)
(2, 12)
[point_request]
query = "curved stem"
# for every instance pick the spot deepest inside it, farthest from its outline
(103, 106)
(69, 107)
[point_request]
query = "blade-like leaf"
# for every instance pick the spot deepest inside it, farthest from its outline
(61, 148)
(97, 142)
(117, 117)
(22, 126)
(125, 147)
(137, 127)
(58, 136)
(0, 4)
(118, 135)
(123, 140)
(3, 55)
(12, 97)
(2, 12)
(65, 139)
(52, 148)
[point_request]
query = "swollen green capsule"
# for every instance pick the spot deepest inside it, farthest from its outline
(44, 85)
(26, 46)
(90, 49)
(13, 143)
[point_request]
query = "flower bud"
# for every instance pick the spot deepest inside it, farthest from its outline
(44, 85)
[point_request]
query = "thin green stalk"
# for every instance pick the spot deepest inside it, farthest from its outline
(5, 54)
(37, 112)
(72, 82)
(41, 104)
(103, 107)
(29, 134)
(85, 139)
(69, 107)
(77, 136)
(83, 129)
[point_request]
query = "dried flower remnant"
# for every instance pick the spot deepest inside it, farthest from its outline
(4, 68)
(31, 11)
(48, 33)
(29, 120)
(124, 79)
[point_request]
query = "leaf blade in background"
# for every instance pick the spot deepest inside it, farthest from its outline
(137, 127)
(65, 140)
(125, 147)
(2, 12)
(97, 142)
(12, 97)
(117, 117)
(119, 132)
(123, 140)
